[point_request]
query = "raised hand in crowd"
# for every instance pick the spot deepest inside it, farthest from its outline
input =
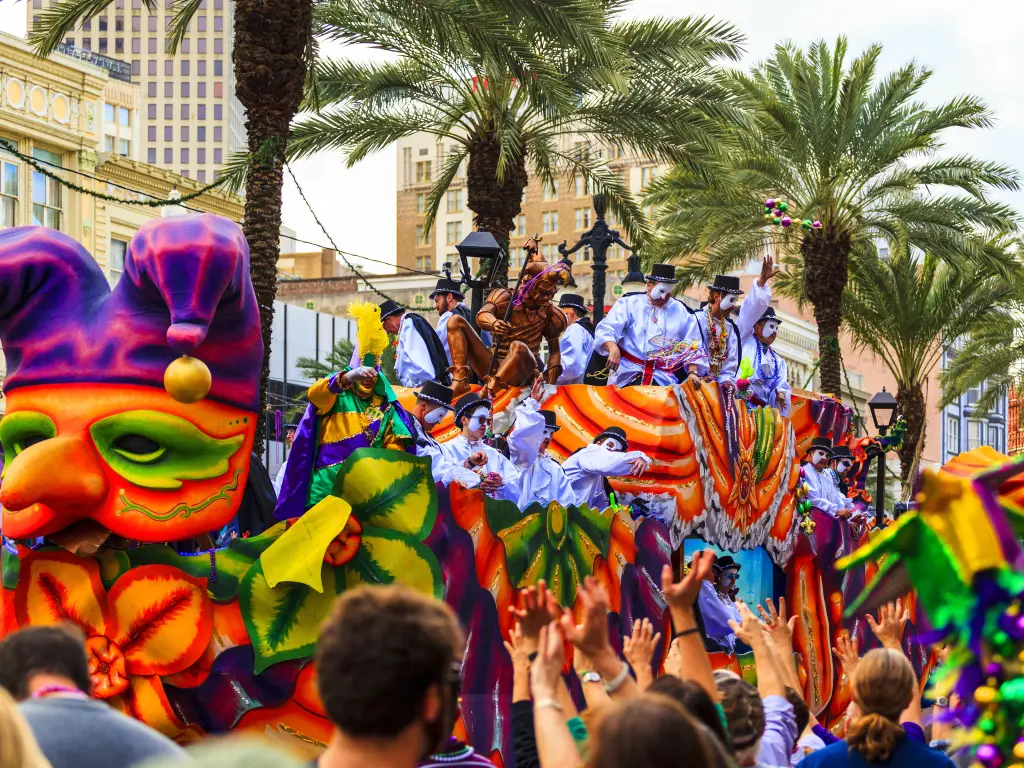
(593, 687)
(639, 649)
(694, 663)
(748, 629)
(768, 270)
(892, 618)
(537, 608)
(537, 391)
(846, 650)
(516, 647)
(555, 745)
(778, 631)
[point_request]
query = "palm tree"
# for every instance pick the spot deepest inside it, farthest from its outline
(642, 85)
(857, 152)
(907, 309)
(273, 43)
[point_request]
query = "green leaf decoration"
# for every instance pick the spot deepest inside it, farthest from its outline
(389, 557)
(10, 569)
(389, 489)
(113, 565)
(158, 450)
(558, 544)
(231, 567)
(283, 622)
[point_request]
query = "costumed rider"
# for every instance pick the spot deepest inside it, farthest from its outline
(822, 482)
(432, 404)
(448, 297)
(590, 467)
(637, 324)
(542, 479)
(500, 478)
(577, 341)
(716, 602)
(350, 409)
(768, 383)
(419, 355)
(289, 438)
(722, 337)
(840, 463)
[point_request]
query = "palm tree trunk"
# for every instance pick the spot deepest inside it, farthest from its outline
(495, 204)
(914, 410)
(825, 276)
(271, 44)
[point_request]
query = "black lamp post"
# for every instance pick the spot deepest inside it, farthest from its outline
(883, 412)
(479, 245)
(597, 238)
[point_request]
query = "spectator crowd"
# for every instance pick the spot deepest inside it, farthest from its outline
(388, 671)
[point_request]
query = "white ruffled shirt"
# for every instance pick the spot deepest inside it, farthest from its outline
(412, 358)
(781, 394)
(442, 468)
(576, 346)
(587, 468)
(824, 492)
(541, 479)
(633, 323)
(460, 449)
(750, 311)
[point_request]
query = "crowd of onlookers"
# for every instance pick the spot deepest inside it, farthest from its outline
(388, 669)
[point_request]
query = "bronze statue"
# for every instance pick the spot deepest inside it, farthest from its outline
(518, 324)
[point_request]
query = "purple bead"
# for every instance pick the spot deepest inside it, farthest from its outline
(816, 224)
(769, 203)
(786, 221)
(987, 753)
(995, 669)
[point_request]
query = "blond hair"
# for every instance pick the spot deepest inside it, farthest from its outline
(883, 686)
(18, 747)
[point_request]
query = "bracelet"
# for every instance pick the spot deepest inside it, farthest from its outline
(684, 633)
(546, 704)
(616, 682)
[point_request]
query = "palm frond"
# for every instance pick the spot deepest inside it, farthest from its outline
(184, 12)
(55, 23)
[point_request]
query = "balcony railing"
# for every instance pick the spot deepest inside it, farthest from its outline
(119, 70)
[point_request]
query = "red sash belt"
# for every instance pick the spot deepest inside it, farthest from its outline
(648, 366)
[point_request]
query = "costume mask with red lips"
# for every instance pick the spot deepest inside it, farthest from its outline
(90, 432)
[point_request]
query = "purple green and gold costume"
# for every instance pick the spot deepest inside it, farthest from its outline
(337, 422)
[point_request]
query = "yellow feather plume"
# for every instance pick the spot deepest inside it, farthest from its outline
(370, 333)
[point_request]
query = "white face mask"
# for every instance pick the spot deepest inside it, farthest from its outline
(728, 302)
(661, 291)
(478, 421)
(436, 416)
(842, 466)
(770, 327)
(817, 456)
(611, 444)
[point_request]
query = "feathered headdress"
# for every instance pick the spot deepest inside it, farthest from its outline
(370, 334)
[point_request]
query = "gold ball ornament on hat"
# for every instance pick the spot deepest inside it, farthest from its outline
(187, 379)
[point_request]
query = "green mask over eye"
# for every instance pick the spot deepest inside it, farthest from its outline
(22, 429)
(157, 450)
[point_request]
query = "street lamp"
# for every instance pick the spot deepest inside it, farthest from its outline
(479, 245)
(634, 282)
(597, 238)
(883, 412)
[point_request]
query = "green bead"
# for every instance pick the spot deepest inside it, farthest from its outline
(1000, 638)
(776, 220)
(808, 223)
(987, 726)
(783, 207)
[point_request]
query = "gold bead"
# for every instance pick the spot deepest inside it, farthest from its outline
(1018, 750)
(985, 694)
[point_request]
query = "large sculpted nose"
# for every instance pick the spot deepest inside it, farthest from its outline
(62, 473)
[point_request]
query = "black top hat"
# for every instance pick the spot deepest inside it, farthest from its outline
(725, 563)
(574, 301)
(726, 284)
(662, 273)
(550, 421)
(769, 314)
(444, 285)
(467, 402)
(389, 308)
(436, 393)
(842, 452)
(617, 433)
(821, 442)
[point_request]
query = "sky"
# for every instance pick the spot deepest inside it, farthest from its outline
(972, 47)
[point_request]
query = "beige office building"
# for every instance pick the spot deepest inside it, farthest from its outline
(189, 119)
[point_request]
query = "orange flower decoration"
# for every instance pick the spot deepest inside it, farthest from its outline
(346, 544)
(154, 621)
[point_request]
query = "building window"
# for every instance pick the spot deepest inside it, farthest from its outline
(218, 134)
(551, 190)
(103, 23)
(124, 147)
(202, 68)
(421, 203)
(46, 201)
(202, 44)
(168, 156)
(184, 111)
(108, 113)
(108, 143)
(454, 201)
(136, 45)
(218, 111)
(453, 232)
(582, 186)
(550, 253)
(422, 235)
(168, 111)
(201, 133)
(151, 133)
(201, 177)
(579, 149)
(184, 133)
(202, 23)
(994, 437)
(168, 67)
(423, 171)
(151, 155)
(582, 219)
(185, 90)
(119, 45)
(136, 27)
(218, 156)
(185, 48)
(218, 23)
(8, 194)
(118, 251)
(424, 263)
(151, 111)
(521, 224)
(973, 434)
(549, 221)
(218, 68)
(218, 45)
(119, 23)
(168, 90)
(201, 112)
(200, 155)
(136, 67)
(151, 89)
(168, 133)
(87, 43)
(185, 67)
(151, 26)
(151, 45)
(647, 175)
(218, 89)
(151, 67)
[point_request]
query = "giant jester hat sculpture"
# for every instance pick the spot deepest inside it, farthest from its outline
(134, 408)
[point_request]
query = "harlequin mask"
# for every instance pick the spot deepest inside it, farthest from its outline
(90, 431)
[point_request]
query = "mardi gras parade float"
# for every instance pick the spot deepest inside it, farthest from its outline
(130, 420)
